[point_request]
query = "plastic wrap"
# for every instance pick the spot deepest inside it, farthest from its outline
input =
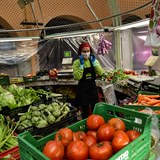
(155, 126)
(26, 57)
(108, 92)
(15, 52)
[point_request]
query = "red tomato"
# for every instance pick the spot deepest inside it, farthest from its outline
(105, 132)
(54, 150)
(77, 150)
(89, 141)
(101, 151)
(64, 135)
(117, 123)
(79, 135)
(120, 140)
(133, 134)
(92, 133)
(94, 121)
(75, 137)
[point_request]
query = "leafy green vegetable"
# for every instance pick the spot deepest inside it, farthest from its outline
(7, 139)
(14, 96)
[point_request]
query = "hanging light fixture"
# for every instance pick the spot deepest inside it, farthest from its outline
(23, 3)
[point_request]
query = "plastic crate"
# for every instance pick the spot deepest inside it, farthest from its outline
(16, 80)
(13, 112)
(139, 149)
(11, 154)
(70, 118)
(4, 80)
(30, 79)
(147, 93)
(139, 108)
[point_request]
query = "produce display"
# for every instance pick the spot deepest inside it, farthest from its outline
(116, 75)
(107, 139)
(7, 137)
(149, 100)
(103, 135)
(99, 139)
(15, 96)
(49, 94)
(144, 100)
(43, 115)
(66, 90)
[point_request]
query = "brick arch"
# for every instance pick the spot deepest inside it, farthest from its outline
(64, 20)
(5, 25)
(129, 18)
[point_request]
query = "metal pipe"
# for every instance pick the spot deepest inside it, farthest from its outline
(78, 33)
(90, 8)
(58, 35)
(81, 23)
(41, 15)
(32, 7)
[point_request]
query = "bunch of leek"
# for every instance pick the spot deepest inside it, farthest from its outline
(7, 138)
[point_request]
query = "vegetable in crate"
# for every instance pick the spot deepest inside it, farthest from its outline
(117, 123)
(120, 140)
(14, 96)
(148, 100)
(64, 135)
(7, 138)
(94, 121)
(43, 115)
(133, 134)
(54, 150)
(101, 151)
(77, 150)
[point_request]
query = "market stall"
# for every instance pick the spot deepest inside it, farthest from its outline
(39, 115)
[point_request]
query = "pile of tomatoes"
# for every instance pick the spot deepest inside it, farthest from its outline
(101, 141)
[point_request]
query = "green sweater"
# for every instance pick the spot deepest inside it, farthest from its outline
(78, 72)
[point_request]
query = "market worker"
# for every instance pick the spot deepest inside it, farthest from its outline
(85, 70)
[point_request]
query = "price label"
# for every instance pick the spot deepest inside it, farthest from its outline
(151, 60)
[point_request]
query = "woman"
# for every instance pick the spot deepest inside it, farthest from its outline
(84, 70)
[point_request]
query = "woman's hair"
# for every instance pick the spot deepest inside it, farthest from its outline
(82, 45)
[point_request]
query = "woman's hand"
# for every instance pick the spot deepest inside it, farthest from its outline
(93, 60)
(81, 59)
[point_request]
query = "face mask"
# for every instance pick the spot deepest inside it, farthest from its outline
(85, 55)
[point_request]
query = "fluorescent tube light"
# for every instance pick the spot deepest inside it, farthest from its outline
(142, 37)
(14, 39)
(141, 23)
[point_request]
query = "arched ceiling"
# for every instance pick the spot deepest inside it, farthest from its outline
(29, 17)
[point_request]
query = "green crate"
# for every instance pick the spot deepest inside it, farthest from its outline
(139, 108)
(4, 80)
(139, 149)
(30, 79)
(147, 93)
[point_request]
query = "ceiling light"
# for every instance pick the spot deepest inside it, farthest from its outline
(142, 37)
(14, 39)
(143, 31)
(141, 23)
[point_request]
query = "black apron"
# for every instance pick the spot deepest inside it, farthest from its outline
(87, 92)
